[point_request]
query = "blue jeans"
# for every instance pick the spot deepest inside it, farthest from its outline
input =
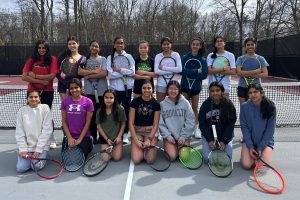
(206, 150)
(24, 164)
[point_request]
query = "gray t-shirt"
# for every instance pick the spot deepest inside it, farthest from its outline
(101, 83)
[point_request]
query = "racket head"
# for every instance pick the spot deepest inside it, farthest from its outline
(69, 68)
(190, 157)
(73, 159)
(121, 61)
(219, 163)
(96, 164)
(268, 178)
(168, 62)
(220, 62)
(52, 168)
(250, 63)
(192, 63)
(161, 161)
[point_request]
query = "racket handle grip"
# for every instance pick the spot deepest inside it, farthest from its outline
(214, 131)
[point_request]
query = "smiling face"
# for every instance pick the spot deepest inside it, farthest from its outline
(41, 49)
(143, 49)
(119, 45)
(166, 46)
(109, 99)
(250, 47)
(33, 99)
(173, 92)
(195, 46)
(73, 46)
(94, 48)
(215, 93)
(75, 90)
(147, 90)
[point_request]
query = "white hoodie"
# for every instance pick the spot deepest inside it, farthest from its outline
(34, 128)
(177, 121)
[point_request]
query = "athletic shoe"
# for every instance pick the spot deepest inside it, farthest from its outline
(197, 133)
(125, 138)
(53, 145)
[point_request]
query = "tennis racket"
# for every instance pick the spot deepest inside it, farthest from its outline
(250, 63)
(122, 61)
(69, 69)
(219, 162)
(39, 69)
(73, 159)
(52, 169)
(219, 63)
(192, 64)
(190, 157)
(161, 161)
(94, 84)
(268, 178)
(98, 162)
(168, 62)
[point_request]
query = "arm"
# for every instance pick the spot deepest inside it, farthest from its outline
(71, 140)
(177, 68)
(47, 130)
(164, 132)
(20, 134)
(132, 128)
(129, 71)
(245, 128)
(189, 123)
(228, 128)
(253, 73)
(155, 124)
(203, 73)
(156, 68)
(111, 73)
(268, 134)
(204, 124)
(86, 127)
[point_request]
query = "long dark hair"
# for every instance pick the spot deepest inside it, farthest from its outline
(201, 51)
(267, 107)
(115, 107)
(114, 49)
(176, 83)
(227, 109)
(36, 56)
(214, 55)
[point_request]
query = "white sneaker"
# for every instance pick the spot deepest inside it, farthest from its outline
(197, 133)
(125, 138)
(53, 145)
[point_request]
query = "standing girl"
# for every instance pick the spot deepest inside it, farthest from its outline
(39, 71)
(219, 50)
(144, 68)
(76, 112)
(221, 112)
(256, 72)
(143, 122)
(33, 131)
(93, 69)
(258, 122)
(166, 71)
(177, 120)
(193, 72)
(71, 60)
(111, 121)
(121, 77)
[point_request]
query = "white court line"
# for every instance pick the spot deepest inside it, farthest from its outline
(129, 181)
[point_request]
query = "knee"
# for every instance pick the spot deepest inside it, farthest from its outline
(136, 160)
(22, 169)
(246, 165)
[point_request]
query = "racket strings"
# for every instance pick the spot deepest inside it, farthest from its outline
(269, 179)
(96, 164)
(220, 164)
(160, 162)
(190, 157)
(73, 159)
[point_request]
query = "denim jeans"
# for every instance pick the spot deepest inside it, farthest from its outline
(206, 149)
(24, 164)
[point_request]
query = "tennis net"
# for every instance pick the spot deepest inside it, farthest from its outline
(286, 96)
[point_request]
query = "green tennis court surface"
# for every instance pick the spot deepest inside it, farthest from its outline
(120, 180)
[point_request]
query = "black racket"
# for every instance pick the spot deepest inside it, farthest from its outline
(160, 161)
(98, 162)
(219, 162)
(168, 62)
(52, 169)
(122, 61)
(192, 64)
(73, 159)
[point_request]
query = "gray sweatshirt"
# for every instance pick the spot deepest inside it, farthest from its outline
(257, 132)
(176, 121)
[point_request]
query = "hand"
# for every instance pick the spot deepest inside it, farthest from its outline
(181, 141)
(86, 77)
(147, 77)
(227, 68)
(155, 76)
(117, 69)
(23, 153)
(118, 140)
(212, 145)
(222, 146)
(98, 70)
(36, 154)
(78, 141)
(139, 72)
(171, 140)
(71, 142)
(139, 143)
(199, 71)
(253, 154)
(45, 82)
(258, 71)
(109, 142)
(160, 67)
(62, 75)
(146, 143)
(31, 74)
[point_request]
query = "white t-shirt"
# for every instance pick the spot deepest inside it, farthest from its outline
(226, 80)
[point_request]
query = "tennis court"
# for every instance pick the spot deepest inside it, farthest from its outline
(123, 180)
